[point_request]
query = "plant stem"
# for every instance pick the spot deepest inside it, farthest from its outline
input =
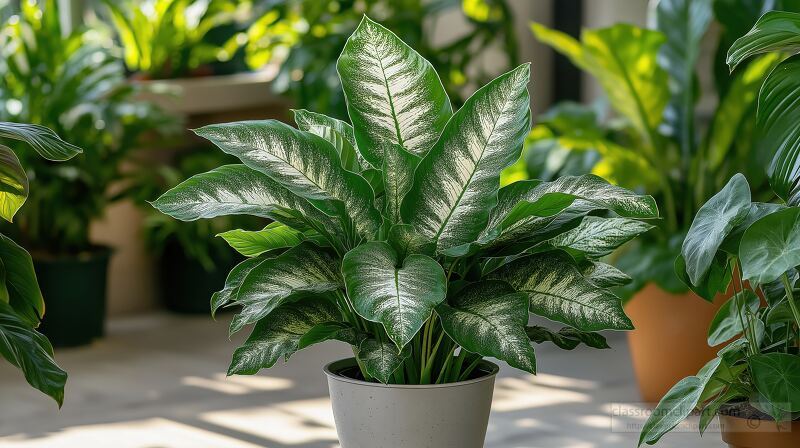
(737, 302)
(790, 296)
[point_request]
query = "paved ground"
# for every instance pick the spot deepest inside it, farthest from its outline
(158, 382)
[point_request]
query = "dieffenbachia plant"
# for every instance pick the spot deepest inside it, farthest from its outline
(393, 235)
(732, 234)
(21, 302)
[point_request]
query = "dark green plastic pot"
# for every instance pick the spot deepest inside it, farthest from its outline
(74, 290)
(186, 286)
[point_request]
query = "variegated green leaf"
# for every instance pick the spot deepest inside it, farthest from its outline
(394, 96)
(43, 140)
(280, 334)
(558, 291)
(303, 163)
(455, 185)
(597, 237)
(489, 318)
(232, 283)
(380, 359)
(405, 240)
(328, 331)
(604, 275)
(337, 132)
(400, 294)
(566, 338)
(236, 189)
(398, 178)
(507, 222)
(13, 184)
(254, 243)
(306, 268)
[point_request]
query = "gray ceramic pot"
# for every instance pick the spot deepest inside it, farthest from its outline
(371, 415)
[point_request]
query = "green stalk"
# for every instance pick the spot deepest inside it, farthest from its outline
(469, 369)
(739, 309)
(425, 378)
(446, 367)
(790, 296)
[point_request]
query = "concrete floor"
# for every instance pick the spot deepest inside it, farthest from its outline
(158, 381)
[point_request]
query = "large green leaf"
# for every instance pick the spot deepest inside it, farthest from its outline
(43, 140)
(727, 323)
(771, 246)
(280, 334)
(306, 268)
(236, 189)
(20, 282)
(677, 404)
(399, 293)
(757, 211)
(398, 178)
(623, 58)
(13, 184)
(333, 330)
(713, 222)
(380, 359)
(683, 23)
(567, 338)
(777, 377)
(776, 123)
(337, 132)
(254, 243)
(774, 31)
(232, 284)
(32, 353)
(513, 218)
(604, 275)
(303, 163)
(716, 279)
(558, 291)
(394, 95)
(596, 237)
(489, 318)
(455, 185)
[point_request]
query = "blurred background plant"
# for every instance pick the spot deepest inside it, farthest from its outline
(74, 83)
(653, 133)
(306, 36)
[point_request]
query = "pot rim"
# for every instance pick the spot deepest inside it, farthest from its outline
(331, 368)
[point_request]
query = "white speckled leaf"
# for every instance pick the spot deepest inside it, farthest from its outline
(596, 237)
(489, 318)
(604, 275)
(280, 334)
(235, 189)
(337, 132)
(303, 269)
(400, 294)
(558, 291)
(302, 162)
(455, 185)
(394, 95)
(398, 177)
(380, 359)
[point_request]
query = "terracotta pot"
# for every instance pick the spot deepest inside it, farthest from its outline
(740, 432)
(673, 328)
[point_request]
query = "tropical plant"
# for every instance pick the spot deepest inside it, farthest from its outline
(656, 140)
(761, 368)
(174, 38)
(306, 37)
(75, 85)
(393, 235)
(21, 301)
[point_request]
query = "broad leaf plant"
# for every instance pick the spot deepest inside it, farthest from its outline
(753, 247)
(392, 234)
(21, 302)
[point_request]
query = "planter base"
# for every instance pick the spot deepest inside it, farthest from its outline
(740, 432)
(371, 415)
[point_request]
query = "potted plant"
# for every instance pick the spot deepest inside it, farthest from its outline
(753, 383)
(21, 302)
(74, 85)
(393, 236)
(659, 139)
